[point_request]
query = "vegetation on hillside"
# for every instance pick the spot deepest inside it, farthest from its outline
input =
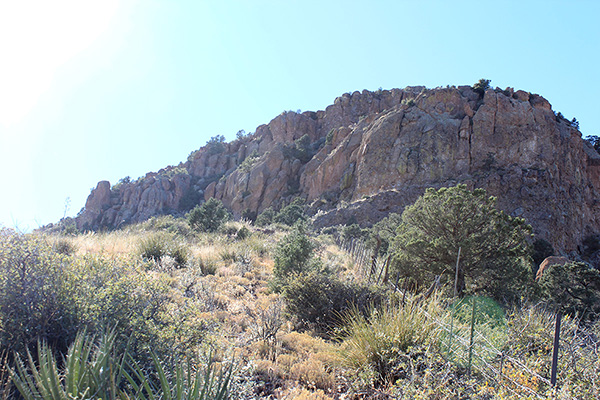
(206, 307)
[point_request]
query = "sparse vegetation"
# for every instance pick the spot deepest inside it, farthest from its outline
(481, 86)
(301, 316)
(329, 137)
(216, 144)
(209, 216)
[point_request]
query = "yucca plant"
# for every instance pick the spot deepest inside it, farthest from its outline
(90, 371)
(188, 382)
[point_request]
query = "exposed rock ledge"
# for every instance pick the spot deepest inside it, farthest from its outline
(375, 152)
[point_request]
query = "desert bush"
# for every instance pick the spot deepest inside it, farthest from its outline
(573, 288)
(157, 246)
(265, 218)
(207, 266)
(229, 228)
(65, 247)
(209, 216)
(216, 144)
(36, 298)
(153, 247)
(408, 102)
(180, 253)
(249, 162)
(383, 233)
(330, 136)
(166, 223)
(293, 255)
(291, 213)
(47, 296)
(594, 141)
(318, 300)
(382, 344)
(481, 86)
(243, 233)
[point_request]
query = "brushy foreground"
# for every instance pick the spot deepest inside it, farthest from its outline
(157, 310)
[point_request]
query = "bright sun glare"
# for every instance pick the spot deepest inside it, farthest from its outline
(36, 38)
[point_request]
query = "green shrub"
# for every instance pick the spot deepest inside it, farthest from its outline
(207, 267)
(294, 254)
(36, 296)
(352, 231)
(318, 299)
(291, 213)
(594, 141)
(494, 249)
(481, 86)
(266, 217)
(216, 144)
(249, 215)
(383, 343)
(154, 247)
(329, 137)
(209, 216)
(249, 161)
(157, 246)
(180, 253)
(383, 233)
(65, 247)
(408, 102)
(573, 288)
(47, 296)
(229, 228)
(243, 233)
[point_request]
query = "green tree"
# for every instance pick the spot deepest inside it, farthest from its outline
(383, 232)
(209, 216)
(574, 288)
(493, 244)
(594, 141)
(481, 86)
(216, 144)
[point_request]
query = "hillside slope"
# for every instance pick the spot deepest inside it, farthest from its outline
(371, 153)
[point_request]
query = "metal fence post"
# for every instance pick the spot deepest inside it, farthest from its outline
(555, 350)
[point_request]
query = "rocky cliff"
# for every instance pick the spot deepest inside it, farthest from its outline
(371, 153)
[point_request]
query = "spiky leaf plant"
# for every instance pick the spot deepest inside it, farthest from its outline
(90, 371)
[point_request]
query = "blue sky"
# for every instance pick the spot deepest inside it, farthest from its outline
(105, 89)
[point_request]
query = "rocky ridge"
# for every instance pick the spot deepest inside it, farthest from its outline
(371, 153)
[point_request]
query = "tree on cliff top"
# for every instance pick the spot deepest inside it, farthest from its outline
(493, 244)
(481, 86)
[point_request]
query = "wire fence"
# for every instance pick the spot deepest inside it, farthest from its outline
(487, 350)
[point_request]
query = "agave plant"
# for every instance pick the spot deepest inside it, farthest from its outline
(91, 370)
(186, 382)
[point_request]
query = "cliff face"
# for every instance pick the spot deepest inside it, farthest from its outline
(369, 154)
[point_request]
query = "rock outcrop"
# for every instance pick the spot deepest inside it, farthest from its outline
(371, 153)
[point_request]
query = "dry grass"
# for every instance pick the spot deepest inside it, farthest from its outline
(223, 292)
